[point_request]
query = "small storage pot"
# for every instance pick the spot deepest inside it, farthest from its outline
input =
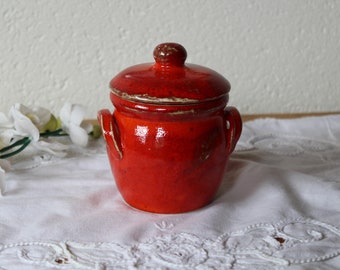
(170, 136)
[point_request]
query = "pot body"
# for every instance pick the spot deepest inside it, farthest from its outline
(169, 164)
(171, 135)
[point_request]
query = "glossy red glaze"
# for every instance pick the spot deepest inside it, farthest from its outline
(171, 135)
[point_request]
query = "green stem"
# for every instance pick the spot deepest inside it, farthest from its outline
(55, 133)
(23, 142)
(19, 142)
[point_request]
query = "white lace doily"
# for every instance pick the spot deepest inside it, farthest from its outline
(277, 208)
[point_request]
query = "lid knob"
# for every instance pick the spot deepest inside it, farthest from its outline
(170, 54)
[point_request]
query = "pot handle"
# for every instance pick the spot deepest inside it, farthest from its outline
(234, 127)
(110, 132)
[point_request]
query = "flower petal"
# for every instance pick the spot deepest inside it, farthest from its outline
(5, 123)
(77, 114)
(55, 148)
(65, 115)
(23, 125)
(41, 117)
(87, 126)
(78, 135)
(6, 137)
(52, 125)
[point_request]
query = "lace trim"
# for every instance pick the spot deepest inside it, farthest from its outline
(286, 144)
(263, 246)
(294, 153)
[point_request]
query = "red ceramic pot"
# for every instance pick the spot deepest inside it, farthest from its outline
(170, 137)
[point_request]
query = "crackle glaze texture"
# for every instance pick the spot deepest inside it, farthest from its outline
(278, 56)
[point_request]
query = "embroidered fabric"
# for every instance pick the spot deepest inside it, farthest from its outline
(263, 246)
(277, 208)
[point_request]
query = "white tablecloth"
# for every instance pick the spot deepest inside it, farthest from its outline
(278, 208)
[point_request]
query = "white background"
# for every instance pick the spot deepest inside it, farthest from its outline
(279, 56)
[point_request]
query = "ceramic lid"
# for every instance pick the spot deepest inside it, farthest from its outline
(169, 80)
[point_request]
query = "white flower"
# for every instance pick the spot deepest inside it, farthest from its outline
(6, 130)
(71, 116)
(38, 115)
(28, 123)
